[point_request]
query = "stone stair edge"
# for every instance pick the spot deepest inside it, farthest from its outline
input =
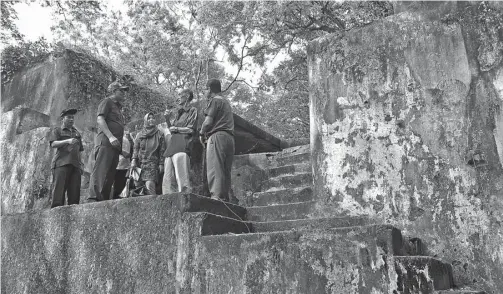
(286, 204)
(296, 189)
(329, 230)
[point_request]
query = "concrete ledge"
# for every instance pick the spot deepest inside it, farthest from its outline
(349, 260)
(121, 246)
(421, 274)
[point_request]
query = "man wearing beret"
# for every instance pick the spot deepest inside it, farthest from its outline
(108, 143)
(66, 164)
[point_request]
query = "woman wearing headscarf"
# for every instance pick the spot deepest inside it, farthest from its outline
(148, 153)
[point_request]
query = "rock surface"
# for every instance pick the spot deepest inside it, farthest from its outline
(406, 127)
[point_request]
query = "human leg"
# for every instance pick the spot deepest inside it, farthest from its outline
(59, 177)
(103, 173)
(119, 182)
(73, 185)
(219, 154)
(150, 187)
(181, 163)
(169, 178)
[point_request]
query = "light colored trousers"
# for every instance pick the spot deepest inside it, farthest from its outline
(176, 172)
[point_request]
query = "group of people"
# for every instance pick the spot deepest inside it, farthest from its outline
(115, 152)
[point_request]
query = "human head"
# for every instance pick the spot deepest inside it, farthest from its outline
(118, 90)
(149, 120)
(185, 97)
(214, 86)
(68, 116)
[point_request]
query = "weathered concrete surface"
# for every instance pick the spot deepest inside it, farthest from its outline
(135, 245)
(31, 103)
(406, 127)
(346, 260)
(250, 172)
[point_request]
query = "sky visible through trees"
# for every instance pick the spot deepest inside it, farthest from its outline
(257, 48)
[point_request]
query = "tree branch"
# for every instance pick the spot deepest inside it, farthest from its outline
(240, 64)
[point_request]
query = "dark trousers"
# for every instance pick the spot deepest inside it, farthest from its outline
(103, 174)
(65, 179)
(119, 182)
(219, 157)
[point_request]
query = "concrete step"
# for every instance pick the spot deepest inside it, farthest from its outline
(414, 246)
(287, 181)
(422, 274)
(459, 291)
(283, 196)
(340, 260)
(213, 224)
(196, 203)
(309, 224)
(293, 158)
(290, 211)
(304, 167)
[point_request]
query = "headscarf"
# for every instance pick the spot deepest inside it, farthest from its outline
(148, 131)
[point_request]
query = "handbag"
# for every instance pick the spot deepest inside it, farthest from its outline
(125, 192)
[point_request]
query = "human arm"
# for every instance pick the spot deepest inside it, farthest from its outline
(104, 108)
(136, 150)
(104, 128)
(162, 148)
(167, 113)
(55, 140)
(126, 148)
(61, 143)
(189, 124)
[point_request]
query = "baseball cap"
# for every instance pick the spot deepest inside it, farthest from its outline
(117, 85)
(68, 111)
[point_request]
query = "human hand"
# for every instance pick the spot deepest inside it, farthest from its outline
(202, 139)
(173, 129)
(115, 143)
(72, 141)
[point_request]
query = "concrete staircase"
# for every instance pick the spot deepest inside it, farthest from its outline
(278, 227)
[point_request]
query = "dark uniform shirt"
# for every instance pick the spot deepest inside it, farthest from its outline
(112, 113)
(68, 154)
(221, 112)
(185, 117)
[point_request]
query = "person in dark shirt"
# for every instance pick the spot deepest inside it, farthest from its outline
(218, 129)
(108, 143)
(179, 146)
(66, 164)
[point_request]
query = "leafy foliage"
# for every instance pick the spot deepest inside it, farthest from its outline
(175, 45)
(16, 57)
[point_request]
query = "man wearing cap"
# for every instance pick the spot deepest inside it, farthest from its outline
(66, 164)
(218, 128)
(108, 143)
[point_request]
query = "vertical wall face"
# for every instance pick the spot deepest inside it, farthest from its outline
(407, 127)
(31, 104)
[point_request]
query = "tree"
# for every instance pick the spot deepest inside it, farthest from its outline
(253, 33)
(10, 31)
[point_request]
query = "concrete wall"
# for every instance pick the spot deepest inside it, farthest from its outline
(31, 104)
(406, 127)
(124, 246)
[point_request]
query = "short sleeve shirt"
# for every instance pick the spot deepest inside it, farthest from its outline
(68, 154)
(221, 112)
(112, 113)
(182, 142)
(186, 118)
